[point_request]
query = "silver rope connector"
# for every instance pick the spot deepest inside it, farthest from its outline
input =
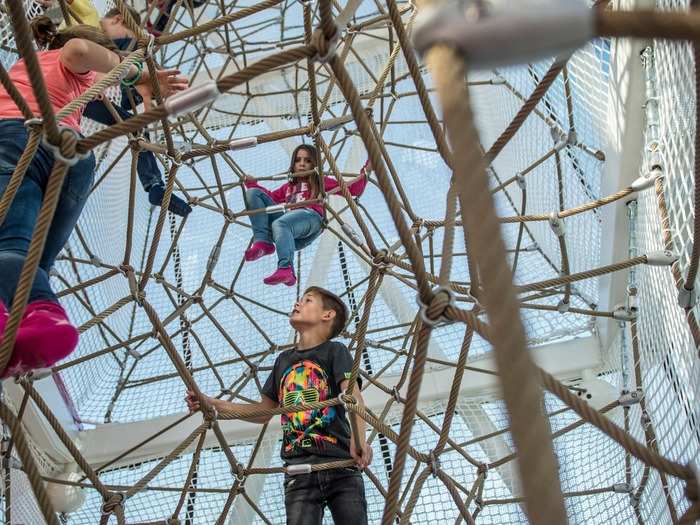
(243, 143)
(661, 258)
(295, 470)
(510, 33)
(192, 98)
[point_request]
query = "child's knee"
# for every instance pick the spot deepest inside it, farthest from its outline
(255, 197)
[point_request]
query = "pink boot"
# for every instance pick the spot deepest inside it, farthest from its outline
(282, 276)
(45, 336)
(259, 249)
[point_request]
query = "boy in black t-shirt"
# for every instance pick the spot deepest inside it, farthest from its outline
(315, 370)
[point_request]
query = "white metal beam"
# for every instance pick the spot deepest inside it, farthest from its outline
(566, 360)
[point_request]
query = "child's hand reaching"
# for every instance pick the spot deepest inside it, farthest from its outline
(192, 402)
(363, 457)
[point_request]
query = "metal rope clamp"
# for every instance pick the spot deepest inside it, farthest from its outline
(240, 473)
(509, 33)
(434, 463)
(295, 470)
(628, 399)
(442, 319)
(109, 505)
(150, 45)
(687, 298)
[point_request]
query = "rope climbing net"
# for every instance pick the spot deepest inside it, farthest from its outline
(464, 425)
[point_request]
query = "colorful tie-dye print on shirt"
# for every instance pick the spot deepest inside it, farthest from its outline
(305, 382)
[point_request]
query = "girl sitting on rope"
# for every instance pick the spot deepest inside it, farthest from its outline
(71, 63)
(297, 228)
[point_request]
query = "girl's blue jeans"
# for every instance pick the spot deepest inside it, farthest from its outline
(290, 231)
(16, 230)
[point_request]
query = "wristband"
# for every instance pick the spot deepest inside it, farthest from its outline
(131, 81)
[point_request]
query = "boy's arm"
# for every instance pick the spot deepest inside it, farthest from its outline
(362, 457)
(244, 411)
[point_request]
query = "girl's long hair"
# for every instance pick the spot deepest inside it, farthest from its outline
(48, 36)
(314, 180)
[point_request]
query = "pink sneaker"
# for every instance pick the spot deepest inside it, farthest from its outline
(282, 276)
(259, 249)
(45, 336)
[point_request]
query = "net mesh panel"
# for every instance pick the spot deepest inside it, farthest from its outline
(236, 329)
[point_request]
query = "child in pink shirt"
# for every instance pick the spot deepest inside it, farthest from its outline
(296, 228)
(70, 65)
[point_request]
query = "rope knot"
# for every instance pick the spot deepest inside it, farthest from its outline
(435, 312)
(111, 503)
(325, 47)
(381, 260)
(313, 130)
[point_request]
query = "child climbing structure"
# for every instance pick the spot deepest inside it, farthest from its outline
(520, 269)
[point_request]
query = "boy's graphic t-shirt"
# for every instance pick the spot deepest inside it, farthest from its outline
(310, 376)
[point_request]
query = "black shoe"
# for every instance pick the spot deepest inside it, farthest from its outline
(177, 205)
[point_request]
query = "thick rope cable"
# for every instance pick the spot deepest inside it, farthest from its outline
(521, 390)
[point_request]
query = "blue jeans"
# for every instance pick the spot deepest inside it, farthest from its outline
(290, 231)
(16, 230)
(341, 490)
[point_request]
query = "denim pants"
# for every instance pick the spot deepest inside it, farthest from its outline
(341, 490)
(147, 166)
(290, 231)
(16, 230)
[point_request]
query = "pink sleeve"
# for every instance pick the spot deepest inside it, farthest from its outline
(278, 195)
(355, 188)
(329, 183)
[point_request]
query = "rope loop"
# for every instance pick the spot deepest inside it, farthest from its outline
(346, 400)
(325, 48)
(435, 313)
(138, 295)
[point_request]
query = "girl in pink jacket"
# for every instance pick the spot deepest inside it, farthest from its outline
(295, 228)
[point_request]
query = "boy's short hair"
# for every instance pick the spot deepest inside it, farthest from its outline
(331, 301)
(133, 12)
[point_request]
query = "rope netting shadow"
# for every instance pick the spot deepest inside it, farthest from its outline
(487, 307)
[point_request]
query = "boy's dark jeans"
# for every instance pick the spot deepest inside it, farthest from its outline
(341, 490)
